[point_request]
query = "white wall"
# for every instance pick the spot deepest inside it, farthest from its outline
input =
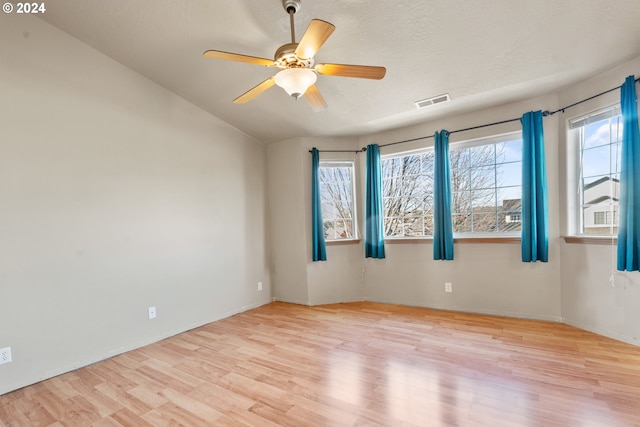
(116, 195)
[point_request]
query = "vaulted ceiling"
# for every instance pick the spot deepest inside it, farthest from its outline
(481, 52)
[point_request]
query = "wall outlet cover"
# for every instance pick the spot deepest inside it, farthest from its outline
(5, 355)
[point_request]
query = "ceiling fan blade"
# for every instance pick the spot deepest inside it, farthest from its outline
(255, 91)
(315, 99)
(317, 33)
(344, 70)
(218, 54)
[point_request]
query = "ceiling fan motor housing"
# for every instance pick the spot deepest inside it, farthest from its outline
(286, 57)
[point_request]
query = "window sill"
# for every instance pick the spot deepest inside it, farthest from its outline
(592, 240)
(463, 240)
(342, 242)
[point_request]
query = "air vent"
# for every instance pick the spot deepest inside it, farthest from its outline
(433, 100)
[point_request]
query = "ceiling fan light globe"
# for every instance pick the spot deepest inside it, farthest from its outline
(295, 81)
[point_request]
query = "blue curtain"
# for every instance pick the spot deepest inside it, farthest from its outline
(629, 227)
(442, 227)
(535, 216)
(319, 247)
(374, 215)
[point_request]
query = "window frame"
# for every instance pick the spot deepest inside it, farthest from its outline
(575, 177)
(398, 155)
(351, 164)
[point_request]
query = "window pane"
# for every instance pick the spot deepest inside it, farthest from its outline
(413, 226)
(461, 223)
(510, 221)
(393, 227)
(459, 159)
(428, 224)
(484, 201)
(509, 174)
(483, 177)
(427, 163)
(460, 179)
(508, 196)
(395, 167)
(329, 230)
(597, 134)
(595, 161)
(344, 229)
(484, 222)
(482, 155)
(461, 202)
(328, 210)
(511, 151)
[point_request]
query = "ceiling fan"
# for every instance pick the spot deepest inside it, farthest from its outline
(297, 75)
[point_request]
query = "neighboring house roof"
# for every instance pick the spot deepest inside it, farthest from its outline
(599, 200)
(600, 181)
(511, 226)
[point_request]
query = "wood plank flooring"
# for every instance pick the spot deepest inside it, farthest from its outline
(356, 364)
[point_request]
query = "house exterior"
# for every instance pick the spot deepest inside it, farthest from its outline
(600, 206)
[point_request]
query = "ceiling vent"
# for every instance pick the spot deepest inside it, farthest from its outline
(433, 100)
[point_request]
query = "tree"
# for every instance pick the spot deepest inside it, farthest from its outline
(407, 188)
(336, 193)
(473, 185)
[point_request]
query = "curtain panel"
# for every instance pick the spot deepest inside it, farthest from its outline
(629, 226)
(535, 217)
(318, 245)
(374, 213)
(442, 225)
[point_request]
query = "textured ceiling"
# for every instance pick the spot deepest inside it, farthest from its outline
(481, 52)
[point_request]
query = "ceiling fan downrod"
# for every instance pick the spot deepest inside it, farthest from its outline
(291, 6)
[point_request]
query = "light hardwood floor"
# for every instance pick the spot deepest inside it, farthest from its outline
(356, 364)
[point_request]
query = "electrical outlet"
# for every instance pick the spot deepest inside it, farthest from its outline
(5, 355)
(448, 287)
(152, 312)
(259, 286)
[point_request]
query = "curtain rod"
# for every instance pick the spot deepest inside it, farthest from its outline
(551, 113)
(341, 151)
(450, 132)
(544, 113)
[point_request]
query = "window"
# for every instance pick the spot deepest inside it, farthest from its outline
(336, 193)
(407, 194)
(486, 184)
(599, 137)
